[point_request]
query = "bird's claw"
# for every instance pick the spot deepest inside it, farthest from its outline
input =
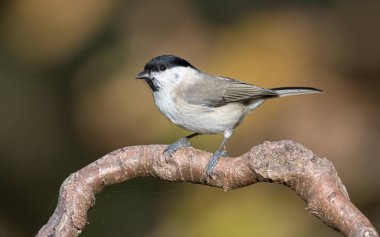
(175, 146)
(224, 153)
(213, 161)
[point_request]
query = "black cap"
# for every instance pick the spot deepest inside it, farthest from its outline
(163, 62)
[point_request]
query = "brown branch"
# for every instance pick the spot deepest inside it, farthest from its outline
(285, 162)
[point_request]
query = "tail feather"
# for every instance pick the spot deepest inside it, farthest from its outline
(287, 91)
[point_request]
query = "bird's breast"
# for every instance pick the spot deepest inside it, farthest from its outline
(198, 118)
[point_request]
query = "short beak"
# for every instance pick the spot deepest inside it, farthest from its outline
(143, 75)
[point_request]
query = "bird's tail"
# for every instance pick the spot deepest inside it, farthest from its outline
(286, 91)
(281, 92)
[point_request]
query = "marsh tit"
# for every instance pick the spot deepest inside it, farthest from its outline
(204, 103)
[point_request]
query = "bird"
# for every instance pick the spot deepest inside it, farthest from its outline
(203, 103)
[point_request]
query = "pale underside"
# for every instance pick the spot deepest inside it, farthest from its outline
(207, 104)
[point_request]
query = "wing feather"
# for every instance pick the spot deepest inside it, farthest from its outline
(240, 92)
(215, 91)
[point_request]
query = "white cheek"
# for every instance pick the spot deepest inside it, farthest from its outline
(169, 77)
(162, 80)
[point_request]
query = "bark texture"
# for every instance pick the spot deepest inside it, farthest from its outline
(314, 179)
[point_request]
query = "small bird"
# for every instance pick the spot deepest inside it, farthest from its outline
(204, 103)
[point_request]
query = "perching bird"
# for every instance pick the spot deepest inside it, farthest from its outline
(204, 103)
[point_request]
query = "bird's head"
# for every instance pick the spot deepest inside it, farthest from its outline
(165, 70)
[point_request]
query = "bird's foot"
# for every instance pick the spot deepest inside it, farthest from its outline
(213, 160)
(175, 146)
(224, 154)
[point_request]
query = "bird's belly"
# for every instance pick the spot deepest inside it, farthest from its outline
(201, 119)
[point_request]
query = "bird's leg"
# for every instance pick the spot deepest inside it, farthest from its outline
(219, 153)
(178, 144)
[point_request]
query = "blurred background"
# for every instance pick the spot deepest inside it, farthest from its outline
(68, 96)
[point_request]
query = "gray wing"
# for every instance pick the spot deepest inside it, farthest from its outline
(241, 92)
(215, 91)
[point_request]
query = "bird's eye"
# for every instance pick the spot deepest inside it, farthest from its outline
(162, 68)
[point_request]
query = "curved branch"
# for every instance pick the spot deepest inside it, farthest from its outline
(285, 162)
